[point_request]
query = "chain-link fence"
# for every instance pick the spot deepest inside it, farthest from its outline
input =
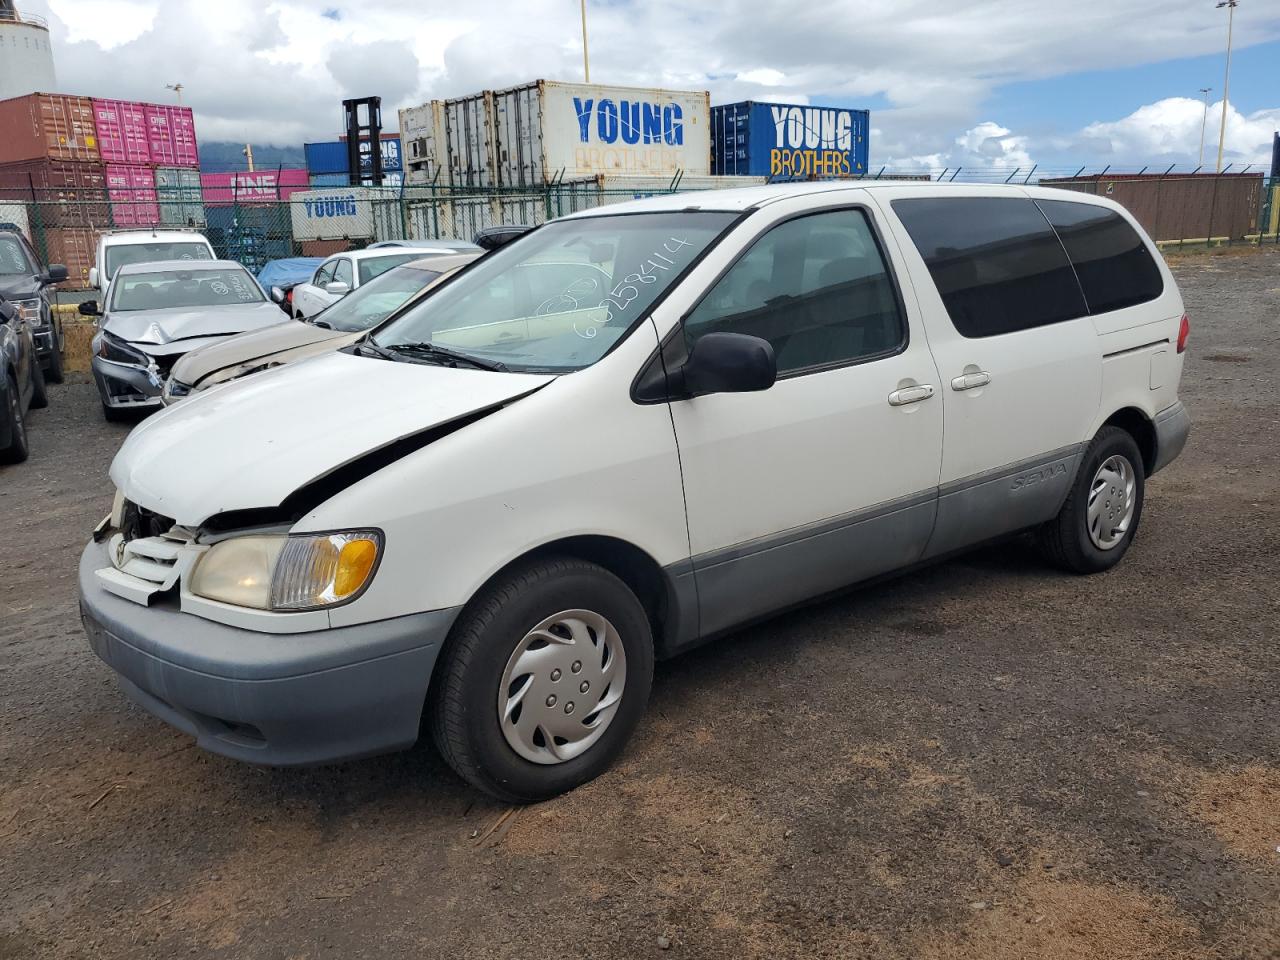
(1183, 209)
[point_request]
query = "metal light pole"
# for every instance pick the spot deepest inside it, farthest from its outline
(586, 63)
(176, 88)
(1226, 83)
(1204, 120)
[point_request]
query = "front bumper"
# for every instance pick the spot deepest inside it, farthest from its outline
(278, 699)
(1173, 426)
(124, 385)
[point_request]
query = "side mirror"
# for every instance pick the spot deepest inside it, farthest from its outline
(89, 308)
(55, 274)
(93, 276)
(277, 295)
(337, 288)
(729, 363)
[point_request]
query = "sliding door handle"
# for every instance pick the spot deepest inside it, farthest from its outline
(900, 398)
(971, 380)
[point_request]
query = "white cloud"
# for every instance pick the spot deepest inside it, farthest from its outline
(985, 146)
(1170, 129)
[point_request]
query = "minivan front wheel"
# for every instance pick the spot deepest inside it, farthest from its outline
(543, 680)
(1097, 523)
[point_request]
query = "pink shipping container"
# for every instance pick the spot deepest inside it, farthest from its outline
(260, 186)
(171, 136)
(122, 131)
(132, 192)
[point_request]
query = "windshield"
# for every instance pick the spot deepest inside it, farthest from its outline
(558, 299)
(369, 304)
(184, 289)
(13, 260)
(377, 266)
(121, 254)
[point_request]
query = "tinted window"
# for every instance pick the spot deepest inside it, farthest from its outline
(816, 288)
(342, 273)
(376, 266)
(13, 259)
(995, 260)
(1114, 265)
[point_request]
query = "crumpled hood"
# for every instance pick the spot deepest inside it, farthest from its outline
(251, 443)
(255, 345)
(166, 326)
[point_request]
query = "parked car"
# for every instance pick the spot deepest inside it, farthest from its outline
(116, 248)
(344, 272)
(491, 238)
(340, 325)
(738, 401)
(156, 312)
(285, 274)
(448, 243)
(30, 289)
(21, 382)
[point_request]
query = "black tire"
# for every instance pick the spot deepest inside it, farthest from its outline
(17, 451)
(463, 702)
(53, 368)
(39, 395)
(1065, 540)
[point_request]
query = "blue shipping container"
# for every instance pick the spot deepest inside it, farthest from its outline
(331, 156)
(788, 142)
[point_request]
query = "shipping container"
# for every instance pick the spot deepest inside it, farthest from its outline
(258, 186)
(788, 141)
(47, 126)
(131, 188)
(1191, 207)
(61, 193)
(540, 132)
(334, 213)
(14, 216)
(171, 136)
(330, 157)
(74, 247)
(422, 141)
(327, 248)
(180, 196)
(250, 235)
(122, 131)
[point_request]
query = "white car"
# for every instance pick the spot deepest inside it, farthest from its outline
(344, 272)
(116, 248)
(739, 401)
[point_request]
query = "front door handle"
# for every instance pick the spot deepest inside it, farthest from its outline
(971, 380)
(900, 398)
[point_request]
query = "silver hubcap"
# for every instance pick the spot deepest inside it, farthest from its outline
(1112, 499)
(562, 686)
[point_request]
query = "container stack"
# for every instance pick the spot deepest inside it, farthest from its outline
(788, 141)
(328, 165)
(78, 166)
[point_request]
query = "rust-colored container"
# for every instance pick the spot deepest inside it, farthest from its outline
(60, 193)
(73, 246)
(48, 126)
(324, 248)
(1181, 207)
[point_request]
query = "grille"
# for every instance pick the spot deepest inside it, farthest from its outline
(138, 522)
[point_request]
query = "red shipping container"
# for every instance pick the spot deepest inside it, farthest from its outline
(132, 191)
(122, 131)
(260, 186)
(75, 248)
(184, 136)
(47, 126)
(61, 193)
(160, 136)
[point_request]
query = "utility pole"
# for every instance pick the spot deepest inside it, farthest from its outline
(1205, 91)
(1226, 82)
(248, 152)
(586, 62)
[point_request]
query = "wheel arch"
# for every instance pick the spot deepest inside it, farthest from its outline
(1138, 425)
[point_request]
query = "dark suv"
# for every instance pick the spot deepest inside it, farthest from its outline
(30, 289)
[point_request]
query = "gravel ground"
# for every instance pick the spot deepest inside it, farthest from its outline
(985, 759)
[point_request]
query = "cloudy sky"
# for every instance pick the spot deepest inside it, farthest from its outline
(978, 83)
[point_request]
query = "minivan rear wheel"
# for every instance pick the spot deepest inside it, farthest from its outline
(1097, 523)
(543, 680)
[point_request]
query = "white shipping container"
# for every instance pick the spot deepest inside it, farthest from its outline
(346, 213)
(542, 132)
(16, 214)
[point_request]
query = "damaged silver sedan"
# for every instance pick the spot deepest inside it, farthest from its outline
(155, 313)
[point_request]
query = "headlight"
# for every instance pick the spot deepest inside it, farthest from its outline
(29, 310)
(284, 573)
(110, 347)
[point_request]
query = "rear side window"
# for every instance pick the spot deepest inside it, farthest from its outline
(342, 273)
(1115, 267)
(817, 288)
(996, 261)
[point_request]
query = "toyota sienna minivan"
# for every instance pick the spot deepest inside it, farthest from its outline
(629, 431)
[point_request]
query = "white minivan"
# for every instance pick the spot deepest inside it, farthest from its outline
(627, 432)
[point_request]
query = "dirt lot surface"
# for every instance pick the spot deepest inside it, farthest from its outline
(986, 759)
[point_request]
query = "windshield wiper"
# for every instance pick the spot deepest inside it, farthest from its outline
(367, 347)
(425, 349)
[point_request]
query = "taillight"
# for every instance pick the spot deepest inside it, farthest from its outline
(1184, 332)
